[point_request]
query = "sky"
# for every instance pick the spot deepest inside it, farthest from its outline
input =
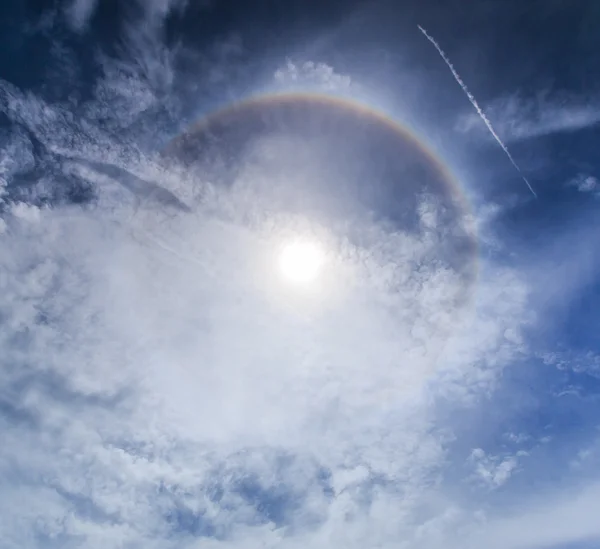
(174, 375)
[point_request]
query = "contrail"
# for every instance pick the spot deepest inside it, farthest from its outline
(476, 105)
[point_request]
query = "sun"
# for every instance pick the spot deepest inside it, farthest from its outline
(301, 261)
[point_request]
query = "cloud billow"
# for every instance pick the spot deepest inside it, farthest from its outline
(161, 384)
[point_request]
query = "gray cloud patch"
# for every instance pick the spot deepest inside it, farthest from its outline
(142, 189)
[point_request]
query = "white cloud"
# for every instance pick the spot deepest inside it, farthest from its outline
(319, 76)
(565, 267)
(161, 387)
(26, 212)
(79, 13)
(587, 362)
(566, 518)
(515, 118)
(518, 438)
(494, 471)
(586, 183)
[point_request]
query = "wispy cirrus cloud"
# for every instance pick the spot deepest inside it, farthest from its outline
(517, 118)
(565, 519)
(79, 12)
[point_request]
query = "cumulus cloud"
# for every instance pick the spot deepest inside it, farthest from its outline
(493, 471)
(319, 76)
(580, 362)
(585, 183)
(516, 118)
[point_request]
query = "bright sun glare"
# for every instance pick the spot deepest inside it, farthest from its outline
(301, 261)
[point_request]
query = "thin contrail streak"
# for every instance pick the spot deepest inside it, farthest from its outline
(476, 105)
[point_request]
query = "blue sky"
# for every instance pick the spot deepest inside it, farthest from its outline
(162, 385)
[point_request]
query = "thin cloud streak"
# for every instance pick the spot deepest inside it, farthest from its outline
(519, 119)
(477, 107)
(568, 518)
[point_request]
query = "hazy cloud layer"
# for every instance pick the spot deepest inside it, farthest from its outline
(79, 12)
(161, 386)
